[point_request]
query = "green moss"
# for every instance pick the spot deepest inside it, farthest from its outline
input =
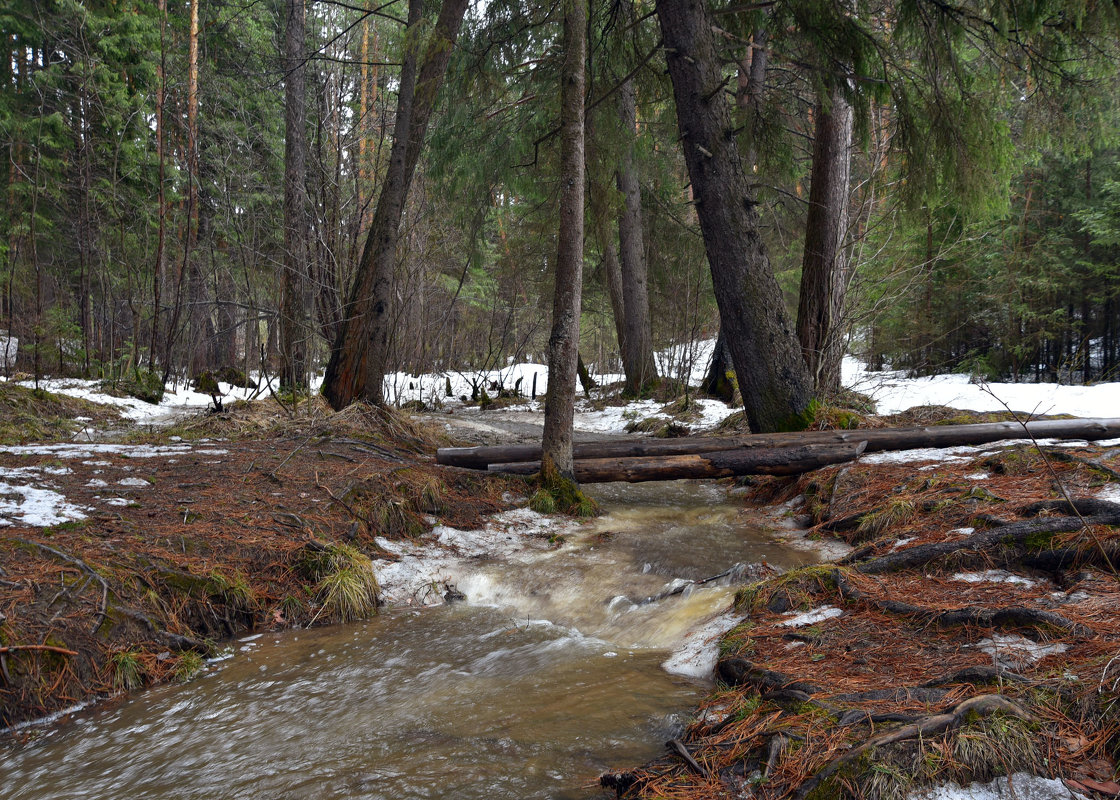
(189, 665)
(542, 502)
(992, 746)
(797, 588)
(567, 498)
(737, 641)
(233, 590)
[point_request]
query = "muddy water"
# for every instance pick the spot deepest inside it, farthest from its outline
(550, 674)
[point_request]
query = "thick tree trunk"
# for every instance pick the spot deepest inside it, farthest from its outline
(294, 332)
(772, 376)
(824, 267)
(878, 440)
(637, 343)
(356, 370)
(719, 464)
(563, 343)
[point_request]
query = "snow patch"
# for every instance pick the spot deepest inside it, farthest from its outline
(88, 450)
(1110, 492)
(811, 617)
(697, 655)
(1014, 651)
(894, 392)
(35, 506)
(993, 576)
(1015, 787)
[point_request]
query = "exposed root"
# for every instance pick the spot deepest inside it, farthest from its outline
(1015, 534)
(980, 706)
(1009, 617)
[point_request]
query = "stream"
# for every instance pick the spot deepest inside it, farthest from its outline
(548, 675)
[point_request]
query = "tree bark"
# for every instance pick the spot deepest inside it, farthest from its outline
(637, 343)
(293, 312)
(196, 355)
(356, 370)
(824, 267)
(160, 265)
(563, 342)
(772, 376)
(719, 382)
(878, 440)
(719, 464)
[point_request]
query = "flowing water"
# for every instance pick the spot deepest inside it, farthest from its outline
(547, 676)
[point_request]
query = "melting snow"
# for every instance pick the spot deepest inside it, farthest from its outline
(33, 505)
(1014, 650)
(993, 576)
(76, 450)
(1016, 787)
(697, 655)
(811, 617)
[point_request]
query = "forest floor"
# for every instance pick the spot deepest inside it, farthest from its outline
(972, 631)
(125, 563)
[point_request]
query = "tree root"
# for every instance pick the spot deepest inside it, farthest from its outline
(1085, 506)
(740, 672)
(173, 640)
(982, 674)
(1014, 534)
(1010, 617)
(1097, 464)
(980, 706)
(11, 648)
(103, 607)
(678, 746)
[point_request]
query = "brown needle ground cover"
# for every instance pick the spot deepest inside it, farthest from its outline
(266, 520)
(925, 677)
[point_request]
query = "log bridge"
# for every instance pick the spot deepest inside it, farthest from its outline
(637, 460)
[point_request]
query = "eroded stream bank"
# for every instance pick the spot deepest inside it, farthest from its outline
(548, 675)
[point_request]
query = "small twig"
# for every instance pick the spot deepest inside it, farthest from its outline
(678, 746)
(84, 567)
(299, 447)
(11, 648)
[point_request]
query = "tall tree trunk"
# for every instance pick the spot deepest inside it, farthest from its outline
(159, 267)
(772, 376)
(563, 342)
(637, 344)
(602, 222)
(359, 357)
(196, 341)
(294, 332)
(824, 266)
(751, 79)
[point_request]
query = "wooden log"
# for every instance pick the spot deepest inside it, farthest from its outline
(720, 464)
(877, 440)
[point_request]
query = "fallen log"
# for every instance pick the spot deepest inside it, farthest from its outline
(877, 440)
(720, 464)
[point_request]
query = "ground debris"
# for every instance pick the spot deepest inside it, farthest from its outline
(185, 540)
(957, 649)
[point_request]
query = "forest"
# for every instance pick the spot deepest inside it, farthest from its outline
(279, 188)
